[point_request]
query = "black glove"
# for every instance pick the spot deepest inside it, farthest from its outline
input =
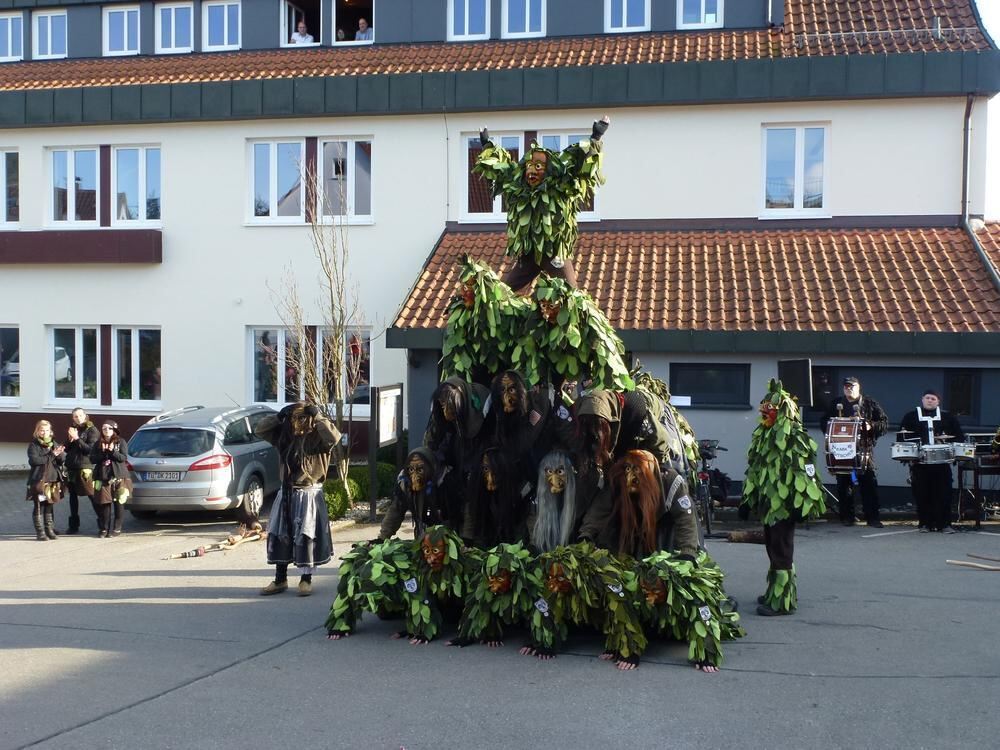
(599, 129)
(484, 137)
(311, 411)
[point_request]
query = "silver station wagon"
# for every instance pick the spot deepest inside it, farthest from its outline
(199, 458)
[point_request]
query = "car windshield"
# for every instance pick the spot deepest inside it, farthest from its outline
(170, 442)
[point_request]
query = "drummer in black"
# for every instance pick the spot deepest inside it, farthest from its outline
(931, 483)
(873, 426)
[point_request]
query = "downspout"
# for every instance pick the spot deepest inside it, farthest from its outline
(991, 270)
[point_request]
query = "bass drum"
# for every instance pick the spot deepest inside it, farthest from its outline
(847, 450)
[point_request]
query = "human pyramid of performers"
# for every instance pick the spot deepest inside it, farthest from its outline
(557, 497)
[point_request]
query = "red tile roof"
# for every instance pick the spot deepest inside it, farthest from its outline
(807, 31)
(902, 280)
(989, 238)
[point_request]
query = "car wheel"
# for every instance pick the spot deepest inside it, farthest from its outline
(142, 514)
(69, 374)
(253, 494)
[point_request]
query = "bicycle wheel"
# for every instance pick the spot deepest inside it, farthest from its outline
(705, 507)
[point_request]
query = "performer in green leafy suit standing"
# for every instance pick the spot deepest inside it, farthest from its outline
(542, 193)
(782, 487)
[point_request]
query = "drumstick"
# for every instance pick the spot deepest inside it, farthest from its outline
(977, 566)
(983, 557)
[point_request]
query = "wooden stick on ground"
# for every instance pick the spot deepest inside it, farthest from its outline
(983, 557)
(977, 566)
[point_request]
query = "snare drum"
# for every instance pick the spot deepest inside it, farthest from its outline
(942, 453)
(906, 451)
(846, 449)
(964, 451)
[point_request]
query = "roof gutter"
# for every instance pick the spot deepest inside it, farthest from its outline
(991, 270)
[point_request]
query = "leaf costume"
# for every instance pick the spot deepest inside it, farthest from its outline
(685, 600)
(371, 580)
(587, 586)
(484, 323)
(502, 592)
(782, 486)
(541, 220)
(436, 590)
(580, 344)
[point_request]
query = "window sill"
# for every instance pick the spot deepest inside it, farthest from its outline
(170, 51)
(72, 225)
(296, 45)
(91, 404)
(290, 221)
(139, 407)
(224, 48)
(794, 214)
(698, 26)
(10, 59)
(10, 402)
(351, 221)
(635, 30)
(130, 53)
(482, 219)
(471, 38)
(50, 57)
(525, 35)
(353, 43)
(135, 224)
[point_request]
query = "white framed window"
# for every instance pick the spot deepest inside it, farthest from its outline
(626, 15)
(75, 176)
(220, 26)
(699, 14)
(523, 18)
(480, 205)
(10, 202)
(49, 34)
(301, 24)
(74, 368)
(353, 21)
(174, 28)
(794, 167)
(557, 142)
(135, 366)
(121, 30)
(277, 193)
(11, 37)
(468, 20)
(274, 370)
(10, 365)
(345, 180)
(135, 184)
(357, 369)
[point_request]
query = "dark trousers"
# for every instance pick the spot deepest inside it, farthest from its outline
(931, 485)
(524, 271)
(104, 512)
(868, 486)
(779, 541)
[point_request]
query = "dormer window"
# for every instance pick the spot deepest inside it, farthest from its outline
(121, 30)
(354, 22)
(300, 23)
(699, 14)
(10, 37)
(220, 26)
(174, 28)
(49, 35)
(468, 20)
(523, 18)
(626, 15)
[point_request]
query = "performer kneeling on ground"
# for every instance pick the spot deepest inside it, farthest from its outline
(299, 528)
(931, 483)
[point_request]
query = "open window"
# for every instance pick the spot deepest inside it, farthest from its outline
(353, 21)
(300, 23)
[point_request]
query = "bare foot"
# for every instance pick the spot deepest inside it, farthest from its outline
(492, 644)
(336, 636)
(526, 651)
(625, 665)
(708, 668)
(607, 656)
(545, 655)
(418, 640)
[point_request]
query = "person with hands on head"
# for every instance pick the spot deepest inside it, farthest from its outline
(299, 528)
(45, 485)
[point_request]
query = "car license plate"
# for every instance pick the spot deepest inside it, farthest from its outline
(163, 476)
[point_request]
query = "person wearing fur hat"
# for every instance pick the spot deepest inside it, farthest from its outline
(299, 529)
(931, 483)
(112, 485)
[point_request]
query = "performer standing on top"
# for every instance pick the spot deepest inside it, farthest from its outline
(874, 425)
(931, 483)
(543, 193)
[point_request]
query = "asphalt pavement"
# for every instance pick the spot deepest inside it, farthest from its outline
(104, 644)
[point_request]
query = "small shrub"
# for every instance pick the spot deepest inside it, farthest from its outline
(359, 473)
(385, 475)
(335, 493)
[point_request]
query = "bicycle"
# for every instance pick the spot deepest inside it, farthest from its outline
(706, 507)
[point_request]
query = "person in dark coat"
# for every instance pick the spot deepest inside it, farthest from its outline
(931, 483)
(518, 424)
(81, 436)
(45, 486)
(426, 493)
(299, 529)
(498, 507)
(874, 425)
(647, 510)
(112, 485)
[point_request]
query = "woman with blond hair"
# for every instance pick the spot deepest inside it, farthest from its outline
(45, 482)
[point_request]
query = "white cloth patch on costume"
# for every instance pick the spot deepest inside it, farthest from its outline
(929, 420)
(706, 613)
(542, 606)
(810, 470)
(557, 263)
(563, 413)
(534, 417)
(685, 503)
(487, 404)
(410, 585)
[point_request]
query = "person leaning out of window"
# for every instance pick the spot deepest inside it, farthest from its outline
(111, 481)
(45, 480)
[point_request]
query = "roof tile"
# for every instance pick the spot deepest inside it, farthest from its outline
(778, 280)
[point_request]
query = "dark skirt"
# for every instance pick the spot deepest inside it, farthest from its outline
(299, 529)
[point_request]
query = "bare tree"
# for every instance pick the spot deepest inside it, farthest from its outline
(324, 363)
